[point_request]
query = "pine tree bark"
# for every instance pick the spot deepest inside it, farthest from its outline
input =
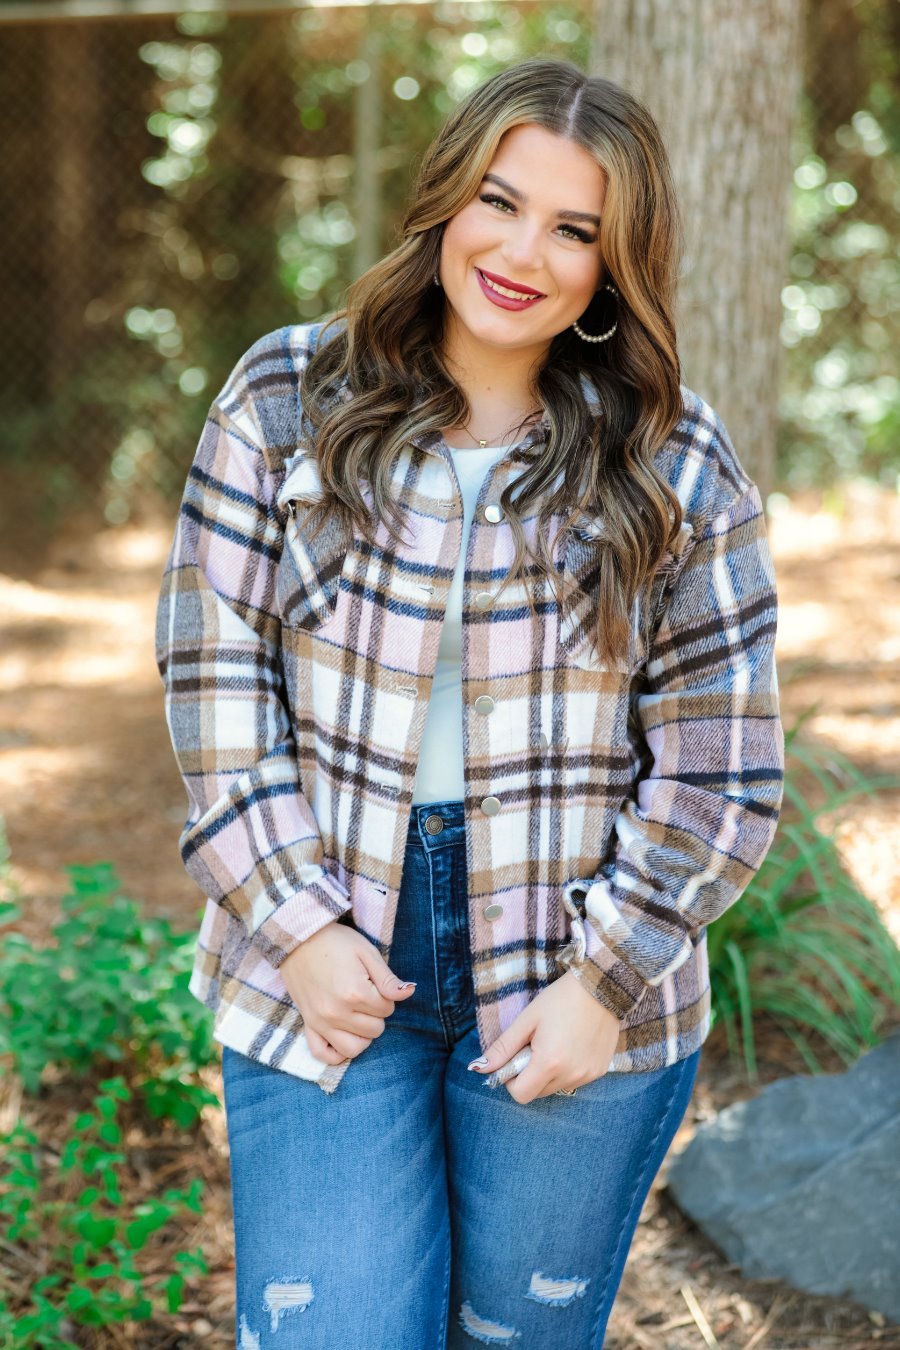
(723, 80)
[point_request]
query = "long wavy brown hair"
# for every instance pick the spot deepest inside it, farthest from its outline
(387, 347)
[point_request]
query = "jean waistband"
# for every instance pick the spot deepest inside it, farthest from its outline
(435, 825)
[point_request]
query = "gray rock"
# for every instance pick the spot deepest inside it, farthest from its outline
(803, 1182)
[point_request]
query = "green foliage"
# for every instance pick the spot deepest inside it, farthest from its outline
(840, 395)
(110, 987)
(804, 945)
(84, 1243)
(113, 985)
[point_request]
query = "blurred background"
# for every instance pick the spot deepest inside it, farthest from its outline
(175, 185)
(178, 181)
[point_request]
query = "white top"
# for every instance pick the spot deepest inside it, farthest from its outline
(439, 772)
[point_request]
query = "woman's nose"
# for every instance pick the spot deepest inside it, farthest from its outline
(523, 251)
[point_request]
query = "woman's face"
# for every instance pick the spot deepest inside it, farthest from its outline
(538, 229)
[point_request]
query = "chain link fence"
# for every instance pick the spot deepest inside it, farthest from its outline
(840, 392)
(177, 185)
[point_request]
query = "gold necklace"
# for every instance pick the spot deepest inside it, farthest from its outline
(483, 444)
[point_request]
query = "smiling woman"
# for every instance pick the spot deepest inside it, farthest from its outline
(545, 223)
(522, 251)
(402, 744)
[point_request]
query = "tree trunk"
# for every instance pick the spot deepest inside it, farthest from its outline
(723, 79)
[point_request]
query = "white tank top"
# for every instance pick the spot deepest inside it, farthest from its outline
(439, 772)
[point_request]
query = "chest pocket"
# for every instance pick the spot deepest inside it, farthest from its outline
(311, 569)
(580, 566)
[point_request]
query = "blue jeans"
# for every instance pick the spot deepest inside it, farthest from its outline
(417, 1208)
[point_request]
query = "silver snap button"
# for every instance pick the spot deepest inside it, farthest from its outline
(434, 824)
(484, 599)
(490, 805)
(484, 703)
(493, 513)
(492, 911)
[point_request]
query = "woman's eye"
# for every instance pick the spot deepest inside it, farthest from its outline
(574, 232)
(499, 201)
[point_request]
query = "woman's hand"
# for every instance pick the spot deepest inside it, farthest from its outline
(572, 1037)
(344, 989)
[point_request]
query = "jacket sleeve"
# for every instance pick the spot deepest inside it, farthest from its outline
(251, 841)
(689, 841)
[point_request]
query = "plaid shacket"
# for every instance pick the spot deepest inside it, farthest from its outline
(635, 803)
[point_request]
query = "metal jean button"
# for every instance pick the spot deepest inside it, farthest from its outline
(434, 824)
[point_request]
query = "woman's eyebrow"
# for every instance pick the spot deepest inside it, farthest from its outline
(520, 197)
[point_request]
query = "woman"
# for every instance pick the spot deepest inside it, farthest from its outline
(467, 638)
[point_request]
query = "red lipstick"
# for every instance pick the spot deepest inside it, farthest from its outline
(510, 285)
(506, 301)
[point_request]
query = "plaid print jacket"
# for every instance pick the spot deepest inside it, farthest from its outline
(635, 803)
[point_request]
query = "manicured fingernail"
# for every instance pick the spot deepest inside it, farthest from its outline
(408, 984)
(480, 1063)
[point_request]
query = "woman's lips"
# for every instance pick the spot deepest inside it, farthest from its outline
(505, 301)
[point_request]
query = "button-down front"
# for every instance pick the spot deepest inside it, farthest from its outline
(297, 674)
(484, 703)
(493, 513)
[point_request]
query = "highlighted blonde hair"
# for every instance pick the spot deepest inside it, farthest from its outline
(388, 343)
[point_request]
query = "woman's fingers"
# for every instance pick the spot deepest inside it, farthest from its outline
(534, 1081)
(349, 1045)
(358, 1023)
(375, 1003)
(321, 1048)
(352, 1031)
(334, 985)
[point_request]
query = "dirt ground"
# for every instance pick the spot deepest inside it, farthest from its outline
(87, 774)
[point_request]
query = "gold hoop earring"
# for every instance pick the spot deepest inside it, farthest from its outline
(601, 337)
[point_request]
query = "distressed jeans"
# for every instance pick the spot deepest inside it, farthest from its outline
(416, 1208)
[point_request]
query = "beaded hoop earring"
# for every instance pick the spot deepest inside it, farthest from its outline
(601, 337)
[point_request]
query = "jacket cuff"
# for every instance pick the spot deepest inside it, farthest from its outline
(618, 984)
(321, 901)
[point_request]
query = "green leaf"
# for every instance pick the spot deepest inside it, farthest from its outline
(98, 1232)
(79, 1297)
